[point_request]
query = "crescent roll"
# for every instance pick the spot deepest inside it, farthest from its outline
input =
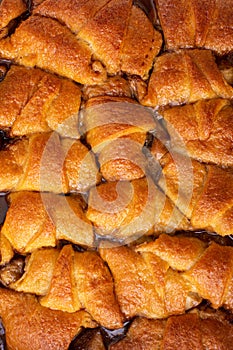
(170, 275)
(33, 101)
(205, 129)
(127, 210)
(26, 321)
(36, 220)
(197, 23)
(69, 38)
(69, 281)
(156, 279)
(204, 193)
(116, 129)
(197, 329)
(185, 76)
(29, 164)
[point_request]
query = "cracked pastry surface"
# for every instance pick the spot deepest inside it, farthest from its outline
(9, 10)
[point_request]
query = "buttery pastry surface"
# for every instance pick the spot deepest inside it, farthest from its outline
(9, 10)
(185, 76)
(29, 164)
(37, 220)
(127, 210)
(197, 23)
(34, 101)
(196, 330)
(26, 321)
(164, 277)
(116, 130)
(208, 202)
(47, 43)
(205, 128)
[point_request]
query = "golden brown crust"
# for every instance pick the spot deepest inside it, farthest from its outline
(149, 281)
(40, 102)
(197, 23)
(113, 86)
(116, 129)
(97, 35)
(25, 319)
(182, 180)
(184, 77)
(196, 330)
(213, 209)
(126, 210)
(205, 128)
(175, 281)
(30, 164)
(70, 281)
(203, 193)
(145, 41)
(74, 13)
(9, 10)
(212, 273)
(38, 37)
(37, 220)
(143, 334)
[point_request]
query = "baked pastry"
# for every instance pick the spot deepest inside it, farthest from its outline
(205, 130)
(29, 164)
(197, 330)
(69, 281)
(34, 101)
(37, 220)
(44, 41)
(25, 320)
(116, 128)
(124, 211)
(202, 192)
(185, 76)
(178, 272)
(199, 23)
(10, 10)
(89, 69)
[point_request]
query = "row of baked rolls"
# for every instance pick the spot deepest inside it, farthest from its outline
(47, 162)
(36, 220)
(163, 277)
(54, 330)
(85, 40)
(202, 330)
